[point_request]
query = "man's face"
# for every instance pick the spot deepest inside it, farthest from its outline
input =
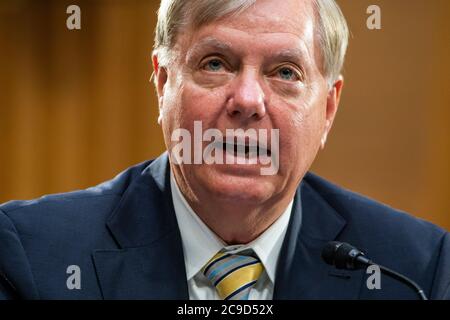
(257, 70)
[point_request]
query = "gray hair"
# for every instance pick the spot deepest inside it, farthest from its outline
(174, 16)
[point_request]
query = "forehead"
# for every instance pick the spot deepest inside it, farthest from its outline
(274, 16)
(266, 25)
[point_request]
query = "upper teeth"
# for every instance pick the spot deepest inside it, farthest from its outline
(239, 148)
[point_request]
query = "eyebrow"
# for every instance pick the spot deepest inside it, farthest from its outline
(209, 43)
(293, 54)
(289, 54)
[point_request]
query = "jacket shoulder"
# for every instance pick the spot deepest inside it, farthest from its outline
(396, 239)
(53, 232)
(368, 213)
(71, 209)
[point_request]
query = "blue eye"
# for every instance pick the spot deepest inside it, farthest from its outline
(214, 65)
(287, 74)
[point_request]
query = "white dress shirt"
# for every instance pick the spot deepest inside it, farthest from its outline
(200, 244)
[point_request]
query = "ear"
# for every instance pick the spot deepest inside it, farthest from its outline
(160, 79)
(333, 98)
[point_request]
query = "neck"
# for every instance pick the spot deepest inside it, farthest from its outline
(238, 223)
(235, 222)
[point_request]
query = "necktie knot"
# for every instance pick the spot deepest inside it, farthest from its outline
(233, 275)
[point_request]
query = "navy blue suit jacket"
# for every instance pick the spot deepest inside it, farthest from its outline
(123, 235)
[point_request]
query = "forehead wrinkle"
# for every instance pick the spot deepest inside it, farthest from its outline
(298, 43)
(289, 54)
(295, 50)
(209, 43)
(263, 19)
(214, 43)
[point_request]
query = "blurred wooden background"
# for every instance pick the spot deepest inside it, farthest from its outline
(76, 107)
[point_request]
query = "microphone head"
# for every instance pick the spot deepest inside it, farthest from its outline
(342, 255)
(345, 256)
(329, 251)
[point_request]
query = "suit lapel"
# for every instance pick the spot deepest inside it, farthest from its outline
(301, 273)
(149, 263)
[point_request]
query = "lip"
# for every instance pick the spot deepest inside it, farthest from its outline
(241, 154)
(244, 150)
(247, 142)
(242, 146)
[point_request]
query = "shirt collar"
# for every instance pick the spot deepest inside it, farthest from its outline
(200, 243)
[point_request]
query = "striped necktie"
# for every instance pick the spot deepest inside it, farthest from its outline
(233, 275)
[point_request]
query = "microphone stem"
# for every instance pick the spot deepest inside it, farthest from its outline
(403, 279)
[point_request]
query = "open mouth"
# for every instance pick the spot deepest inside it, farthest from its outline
(245, 151)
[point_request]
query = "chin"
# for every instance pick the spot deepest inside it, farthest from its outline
(241, 189)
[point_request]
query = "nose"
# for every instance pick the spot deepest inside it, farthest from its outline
(247, 100)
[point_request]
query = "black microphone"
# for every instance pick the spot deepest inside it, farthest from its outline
(345, 256)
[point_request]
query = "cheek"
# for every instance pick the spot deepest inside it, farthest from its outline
(200, 104)
(187, 104)
(171, 110)
(301, 126)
